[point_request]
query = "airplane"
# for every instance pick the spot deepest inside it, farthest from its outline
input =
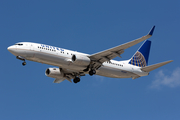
(73, 65)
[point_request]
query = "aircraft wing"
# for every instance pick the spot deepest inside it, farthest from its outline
(111, 53)
(68, 75)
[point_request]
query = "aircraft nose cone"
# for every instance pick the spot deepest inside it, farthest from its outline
(12, 49)
(9, 48)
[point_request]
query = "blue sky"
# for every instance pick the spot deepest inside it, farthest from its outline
(89, 27)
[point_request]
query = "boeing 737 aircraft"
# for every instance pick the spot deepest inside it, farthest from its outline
(73, 65)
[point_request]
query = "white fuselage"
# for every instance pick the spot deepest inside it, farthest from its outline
(62, 58)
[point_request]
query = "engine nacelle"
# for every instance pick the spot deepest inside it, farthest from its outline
(54, 73)
(80, 60)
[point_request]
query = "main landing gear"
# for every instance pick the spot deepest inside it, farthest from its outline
(76, 80)
(92, 72)
(21, 58)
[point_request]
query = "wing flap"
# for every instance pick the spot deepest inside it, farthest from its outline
(155, 66)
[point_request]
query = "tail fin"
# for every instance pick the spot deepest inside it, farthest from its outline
(140, 58)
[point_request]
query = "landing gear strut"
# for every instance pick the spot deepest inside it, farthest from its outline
(92, 72)
(76, 80)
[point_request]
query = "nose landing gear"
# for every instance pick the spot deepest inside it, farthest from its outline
(21, 58)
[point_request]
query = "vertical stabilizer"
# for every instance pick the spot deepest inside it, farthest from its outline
(140, 58)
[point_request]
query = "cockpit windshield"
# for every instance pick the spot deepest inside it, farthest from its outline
(18, 44)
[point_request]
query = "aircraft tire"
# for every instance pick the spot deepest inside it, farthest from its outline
(76, 80)
(24, 63)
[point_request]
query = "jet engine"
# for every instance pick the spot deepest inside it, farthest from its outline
(54, 73)
(80, 60)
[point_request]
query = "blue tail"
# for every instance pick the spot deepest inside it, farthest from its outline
(140, 58)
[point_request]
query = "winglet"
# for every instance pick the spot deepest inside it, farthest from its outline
(151, 31)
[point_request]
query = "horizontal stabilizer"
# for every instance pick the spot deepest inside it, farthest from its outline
(155, 66)
(135, 77)
(58, 80)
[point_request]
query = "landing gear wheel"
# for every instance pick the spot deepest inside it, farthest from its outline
(76, 80)
(92, 72)
(24, 63)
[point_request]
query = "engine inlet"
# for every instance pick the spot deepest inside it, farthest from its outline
(47, 71)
